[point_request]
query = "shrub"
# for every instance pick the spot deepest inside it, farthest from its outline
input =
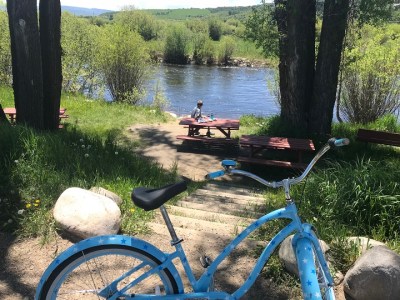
(371, 84)
(139, 21)
(80, 49)
(215, 29)
(226, 50)
(177, 45)
(123, 60)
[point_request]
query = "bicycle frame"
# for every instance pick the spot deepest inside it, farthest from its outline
(201, 286)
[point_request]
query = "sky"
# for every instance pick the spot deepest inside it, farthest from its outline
(162, 4)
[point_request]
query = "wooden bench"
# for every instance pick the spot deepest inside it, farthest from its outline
(378, 137)
(206, 139)
(257, 144)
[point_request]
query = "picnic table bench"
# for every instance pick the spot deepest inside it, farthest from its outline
(378, 137)
(257, 144)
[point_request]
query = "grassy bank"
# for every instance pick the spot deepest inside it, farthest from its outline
(90, 151)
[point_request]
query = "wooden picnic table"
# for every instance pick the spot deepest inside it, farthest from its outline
(11, 112)
(257, 144)
(225, 126)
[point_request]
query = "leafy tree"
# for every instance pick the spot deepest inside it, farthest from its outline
(308, 83)
(80, 48)
(261, 28)
(143, 23)
(177, 45)
(123, 59)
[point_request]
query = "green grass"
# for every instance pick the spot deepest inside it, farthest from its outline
(91, 150)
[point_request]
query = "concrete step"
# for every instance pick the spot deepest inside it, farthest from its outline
(208, 216)
(202, 225)
(246, 211)
(223, 186)
(230, 196)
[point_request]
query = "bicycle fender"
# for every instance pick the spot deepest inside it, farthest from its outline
(109, 240)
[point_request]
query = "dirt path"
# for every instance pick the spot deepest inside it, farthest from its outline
(160, 143)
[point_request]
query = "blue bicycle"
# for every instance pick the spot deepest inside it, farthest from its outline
(121, 267)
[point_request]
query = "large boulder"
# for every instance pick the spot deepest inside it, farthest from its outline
(374, 276)
(82, 213)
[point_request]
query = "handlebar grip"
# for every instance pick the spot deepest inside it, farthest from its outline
(215, 174)
(333, 142)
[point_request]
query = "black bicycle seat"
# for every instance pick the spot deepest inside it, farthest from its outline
(152, 198)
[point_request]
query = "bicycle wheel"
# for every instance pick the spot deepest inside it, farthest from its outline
(314, 282)
(100, 271)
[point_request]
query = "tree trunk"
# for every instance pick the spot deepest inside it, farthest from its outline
(26, 62)
(296, 68)
(50, 39)
(327, 69)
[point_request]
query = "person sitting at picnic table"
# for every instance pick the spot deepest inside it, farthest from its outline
(196, 114)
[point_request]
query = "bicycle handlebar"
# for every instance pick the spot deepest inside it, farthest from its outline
(229, 167)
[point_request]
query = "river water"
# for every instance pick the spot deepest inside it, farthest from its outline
(227, 92)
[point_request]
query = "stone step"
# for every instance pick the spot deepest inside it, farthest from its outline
(224, 186)
(202, 225)
(235, 209)
(230, 196)
(208, 216)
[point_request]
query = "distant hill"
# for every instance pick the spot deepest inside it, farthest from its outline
(77, 11)
(80, 11)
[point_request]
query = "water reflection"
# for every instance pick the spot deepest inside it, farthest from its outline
(227, 92)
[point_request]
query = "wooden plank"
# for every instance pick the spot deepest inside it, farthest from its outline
(378, 137)
(274, 163)
(277, 142)
(206, 139)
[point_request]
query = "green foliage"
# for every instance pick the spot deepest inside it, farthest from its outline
(361, 195)
(143, 23)
(198, 26)
(177, 45)
(80, 50)
(262, 29)
(215, 29)
(123, 58)
(90, 151)
(5, 51)
(227, 47)
(203, 49)
(160, 102)
(371, 84)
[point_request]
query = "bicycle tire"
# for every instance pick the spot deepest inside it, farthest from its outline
(85, 273)
(314, 282)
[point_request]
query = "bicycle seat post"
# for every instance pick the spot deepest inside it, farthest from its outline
(175, 240)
